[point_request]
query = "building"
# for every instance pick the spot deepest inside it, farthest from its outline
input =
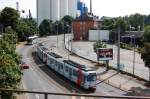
(82, 7)
(56, 9)
(83, 24)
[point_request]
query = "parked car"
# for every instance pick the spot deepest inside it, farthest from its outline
(23, 65)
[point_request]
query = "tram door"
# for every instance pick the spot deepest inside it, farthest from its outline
(80, 77)
(70, 73)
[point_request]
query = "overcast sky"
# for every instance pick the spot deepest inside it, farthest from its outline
(112, 8)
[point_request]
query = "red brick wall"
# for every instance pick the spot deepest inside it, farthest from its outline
(81, 28)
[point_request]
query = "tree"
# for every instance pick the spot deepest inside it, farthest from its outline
(136, 20)
(108, 24)
(146, 35)
(10, 72)
(9, 17)
(145, 55)
(120, 23)
(68, 19)
(45, 27)
(23, 30)
(99, 44)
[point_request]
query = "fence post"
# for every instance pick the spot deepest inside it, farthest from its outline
(45, 96)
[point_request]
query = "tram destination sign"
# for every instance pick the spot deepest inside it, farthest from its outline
(104, 54)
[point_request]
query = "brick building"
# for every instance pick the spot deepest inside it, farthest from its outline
(83, 24)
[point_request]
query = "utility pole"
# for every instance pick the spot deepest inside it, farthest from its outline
(134, 55)
(57, 33)
(118, 55)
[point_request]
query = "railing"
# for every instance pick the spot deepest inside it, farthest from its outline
(45, 94)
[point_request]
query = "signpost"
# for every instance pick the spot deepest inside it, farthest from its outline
(105, 54)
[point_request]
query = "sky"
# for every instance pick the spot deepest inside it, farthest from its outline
(111, 8)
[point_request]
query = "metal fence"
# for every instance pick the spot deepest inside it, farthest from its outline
(46, 94)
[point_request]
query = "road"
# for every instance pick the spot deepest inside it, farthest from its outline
(37, 81)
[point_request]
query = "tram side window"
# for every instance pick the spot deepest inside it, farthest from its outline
(66, 69)
(75, 73)
(61, 66)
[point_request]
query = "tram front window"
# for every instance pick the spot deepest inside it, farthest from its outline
(91, 77)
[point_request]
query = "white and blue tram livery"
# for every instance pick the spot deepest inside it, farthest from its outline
(77, 73)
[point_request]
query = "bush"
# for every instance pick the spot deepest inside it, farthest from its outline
(99, 44)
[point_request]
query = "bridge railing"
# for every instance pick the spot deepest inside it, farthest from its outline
(46, 94)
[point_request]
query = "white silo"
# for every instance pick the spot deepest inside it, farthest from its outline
(63, 8)
(55, 11)
(72, 7)
(43, 10)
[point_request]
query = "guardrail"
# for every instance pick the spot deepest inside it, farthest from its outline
(45, 94)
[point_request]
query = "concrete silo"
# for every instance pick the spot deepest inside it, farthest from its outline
(43, 10)
(55, 11)
(63, 8)
(72, 7)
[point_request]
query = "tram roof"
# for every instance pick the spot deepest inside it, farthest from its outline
(72, 63)
(54, 55)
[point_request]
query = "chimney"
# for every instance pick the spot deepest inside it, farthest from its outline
(91, 6)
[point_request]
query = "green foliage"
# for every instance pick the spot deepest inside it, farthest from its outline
(10, 72)
(146, 35)
(68, 19)
(125, 46)
(22, 30)
(120, 23)
(145, 55)
(45, 27)
(136, 20)
(108, 24)
(99, 44)
(25, 28)
(9, 17)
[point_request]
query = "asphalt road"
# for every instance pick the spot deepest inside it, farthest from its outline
(34, 80)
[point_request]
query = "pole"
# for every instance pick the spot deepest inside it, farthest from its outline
(118, 55)
(149, 74)
(68, 42)
(57, 35)
(134, 56)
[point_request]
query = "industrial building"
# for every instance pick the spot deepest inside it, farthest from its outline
(57, 9)
(84, 23)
